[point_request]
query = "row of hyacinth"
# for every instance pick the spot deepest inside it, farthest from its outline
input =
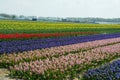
(109, 71)
(8, 59)
(20, 46)
(63, 63)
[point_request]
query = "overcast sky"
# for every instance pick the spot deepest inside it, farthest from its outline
(62, 8)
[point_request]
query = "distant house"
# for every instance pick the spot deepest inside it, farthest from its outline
(34, 19)
(51, 19)
(72, 19)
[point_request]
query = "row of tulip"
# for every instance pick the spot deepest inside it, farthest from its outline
(48, 27)
(109, 71)
(20, 46)
(63, 63)
(11, 59)
(42, 35)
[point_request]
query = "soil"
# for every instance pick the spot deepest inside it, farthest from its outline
(4, 75)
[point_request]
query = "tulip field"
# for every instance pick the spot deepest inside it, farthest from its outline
(60, 51)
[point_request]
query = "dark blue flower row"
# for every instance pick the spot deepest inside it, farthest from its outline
(26, 45)
(107, 72)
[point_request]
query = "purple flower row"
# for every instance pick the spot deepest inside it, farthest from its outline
(16, 46)
(107, 72)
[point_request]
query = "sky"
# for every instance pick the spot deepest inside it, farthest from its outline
(62, 8)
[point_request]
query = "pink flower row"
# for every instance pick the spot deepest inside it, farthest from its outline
(49, 52)
(63, 62)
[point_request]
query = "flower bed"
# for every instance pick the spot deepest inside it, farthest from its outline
(20, 46)
(107, 72)
(10, 59)
(63, 63)
(59, 51)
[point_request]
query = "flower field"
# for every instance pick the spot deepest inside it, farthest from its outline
(60, 51)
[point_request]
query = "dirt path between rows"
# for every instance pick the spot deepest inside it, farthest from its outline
(4, 75)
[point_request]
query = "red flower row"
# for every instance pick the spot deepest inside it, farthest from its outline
(23, 35)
